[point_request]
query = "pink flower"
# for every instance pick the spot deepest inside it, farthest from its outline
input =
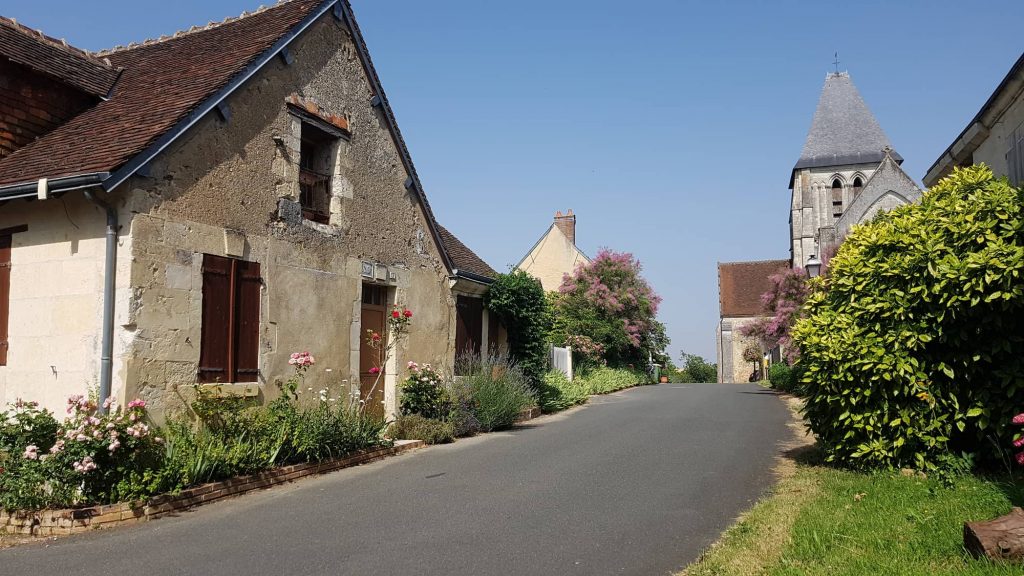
(1020, 458)
(1019, 442)
(413, 366)
(137, 403)
(374, 370)
(56, 449)
(114, 445)
(108, 402)
(81, 437)
(407, 313)
(31, 452)
(1018, 419)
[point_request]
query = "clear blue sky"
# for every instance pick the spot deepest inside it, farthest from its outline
(670, 127)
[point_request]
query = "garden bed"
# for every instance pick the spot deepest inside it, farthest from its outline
(75, 520)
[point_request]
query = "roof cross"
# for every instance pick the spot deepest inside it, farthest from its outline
(837, 62)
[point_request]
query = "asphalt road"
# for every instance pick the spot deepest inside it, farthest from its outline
(637, 482)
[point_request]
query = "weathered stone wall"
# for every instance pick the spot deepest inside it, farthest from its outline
(231, 188)
(731, 365)
(811, 206)
(56, 299)
(552, 257)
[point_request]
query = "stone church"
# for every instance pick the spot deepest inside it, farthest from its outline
(847, 173)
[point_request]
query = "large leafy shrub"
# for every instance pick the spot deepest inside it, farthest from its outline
(611, 304)
(784, 378)
(423, 393)
(558, 393)
(912, 346)
(695, 369)
(519, 302)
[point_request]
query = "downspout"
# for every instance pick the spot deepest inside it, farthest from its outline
(109, 274)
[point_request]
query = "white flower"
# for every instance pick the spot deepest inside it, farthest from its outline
(31, 452)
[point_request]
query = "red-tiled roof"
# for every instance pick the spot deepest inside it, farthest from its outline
(462, 257)
(55, 58)
(741, 284)
(162, 82)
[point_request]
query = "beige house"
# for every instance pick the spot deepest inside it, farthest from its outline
(740, 286)
(196, 208)
(995, 136)
(555, 254)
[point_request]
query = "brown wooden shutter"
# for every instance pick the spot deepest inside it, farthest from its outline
(216, 330)
(247, 315)
(5, 295)
(469, 325)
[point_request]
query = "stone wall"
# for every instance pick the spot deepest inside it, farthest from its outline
(992, 150)
(732, 367)
(811, 206)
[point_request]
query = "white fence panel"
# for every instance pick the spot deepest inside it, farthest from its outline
(561, 360)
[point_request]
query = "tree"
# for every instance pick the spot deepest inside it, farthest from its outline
(609, 302)
(753, 354)
(519, 302)
(696, 369)
(782, 305)
(912, 346)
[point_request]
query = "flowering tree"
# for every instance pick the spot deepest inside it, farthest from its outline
(782, 304)
(609, 302)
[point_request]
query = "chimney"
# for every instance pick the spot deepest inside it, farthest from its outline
(567, 224)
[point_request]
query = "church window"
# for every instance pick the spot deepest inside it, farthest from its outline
(857, 186)
(837, 198)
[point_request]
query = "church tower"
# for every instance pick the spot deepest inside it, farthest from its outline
(844, 148)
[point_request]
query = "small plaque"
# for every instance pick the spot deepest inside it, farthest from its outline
(368, 269)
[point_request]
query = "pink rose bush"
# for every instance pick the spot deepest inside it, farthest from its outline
(90, 457)
(1018, 420)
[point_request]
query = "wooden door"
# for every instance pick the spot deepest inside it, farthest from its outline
(373, 317)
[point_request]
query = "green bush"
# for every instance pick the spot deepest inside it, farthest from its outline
(784, 378)
(912, 343)
(417, 427)
(604, 380)
(500, 390)
(558, 393)
(519, 302)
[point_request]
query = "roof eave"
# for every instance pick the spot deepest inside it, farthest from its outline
(55, 186)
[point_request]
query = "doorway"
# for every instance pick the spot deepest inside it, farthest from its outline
(373, 318)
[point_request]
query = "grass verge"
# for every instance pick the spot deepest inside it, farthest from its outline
(820, 520)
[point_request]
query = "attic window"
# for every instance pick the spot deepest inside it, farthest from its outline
(316, 163)
(837, 198)
(857, 186)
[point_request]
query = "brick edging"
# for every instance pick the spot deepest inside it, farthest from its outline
(75, 520)
(528, 414)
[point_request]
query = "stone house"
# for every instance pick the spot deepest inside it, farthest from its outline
(995, 136)
(847, 173)
(555, 254)
(195, 208)
(740, 286)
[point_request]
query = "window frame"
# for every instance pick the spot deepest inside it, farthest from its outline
(6, 254)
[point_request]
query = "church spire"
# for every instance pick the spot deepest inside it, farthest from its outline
(843, 131)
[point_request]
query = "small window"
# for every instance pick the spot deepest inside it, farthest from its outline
(316, 162)
(857, 186)
(375, 295)
(837, 198)
(229, 345)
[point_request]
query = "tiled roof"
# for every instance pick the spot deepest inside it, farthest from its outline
(843, 131)
(462, 257)
(55, 58)
(161, 83)
(741, 284)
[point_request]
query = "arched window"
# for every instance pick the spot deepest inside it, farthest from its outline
(857, 185)
(837, 198)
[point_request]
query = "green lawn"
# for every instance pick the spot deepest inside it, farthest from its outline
(821, 520)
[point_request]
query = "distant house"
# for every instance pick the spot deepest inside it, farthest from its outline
(477, 330)
(740, 286)
(555, 254)
(194, 209)
(995, 136)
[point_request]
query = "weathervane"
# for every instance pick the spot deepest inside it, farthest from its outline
(837, 62)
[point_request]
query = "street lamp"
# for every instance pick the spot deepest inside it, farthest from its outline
(813, 266)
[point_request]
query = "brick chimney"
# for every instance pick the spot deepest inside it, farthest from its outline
(567, 224)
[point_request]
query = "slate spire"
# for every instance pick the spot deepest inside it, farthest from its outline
(843, 131)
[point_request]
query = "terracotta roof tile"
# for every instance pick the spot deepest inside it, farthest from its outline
(55, 58)
(741, 284)
(462, 257)
(162, 82)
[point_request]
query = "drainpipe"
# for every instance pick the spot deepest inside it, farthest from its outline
(109, 272)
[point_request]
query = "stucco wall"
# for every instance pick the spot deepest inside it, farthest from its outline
(56, 299)
(228, 188)
(992, 150)
(552, 257)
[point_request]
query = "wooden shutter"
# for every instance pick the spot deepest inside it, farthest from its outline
(469, 325)
(5, 295)
(493, 326)
(217, 319)
(247, 314)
